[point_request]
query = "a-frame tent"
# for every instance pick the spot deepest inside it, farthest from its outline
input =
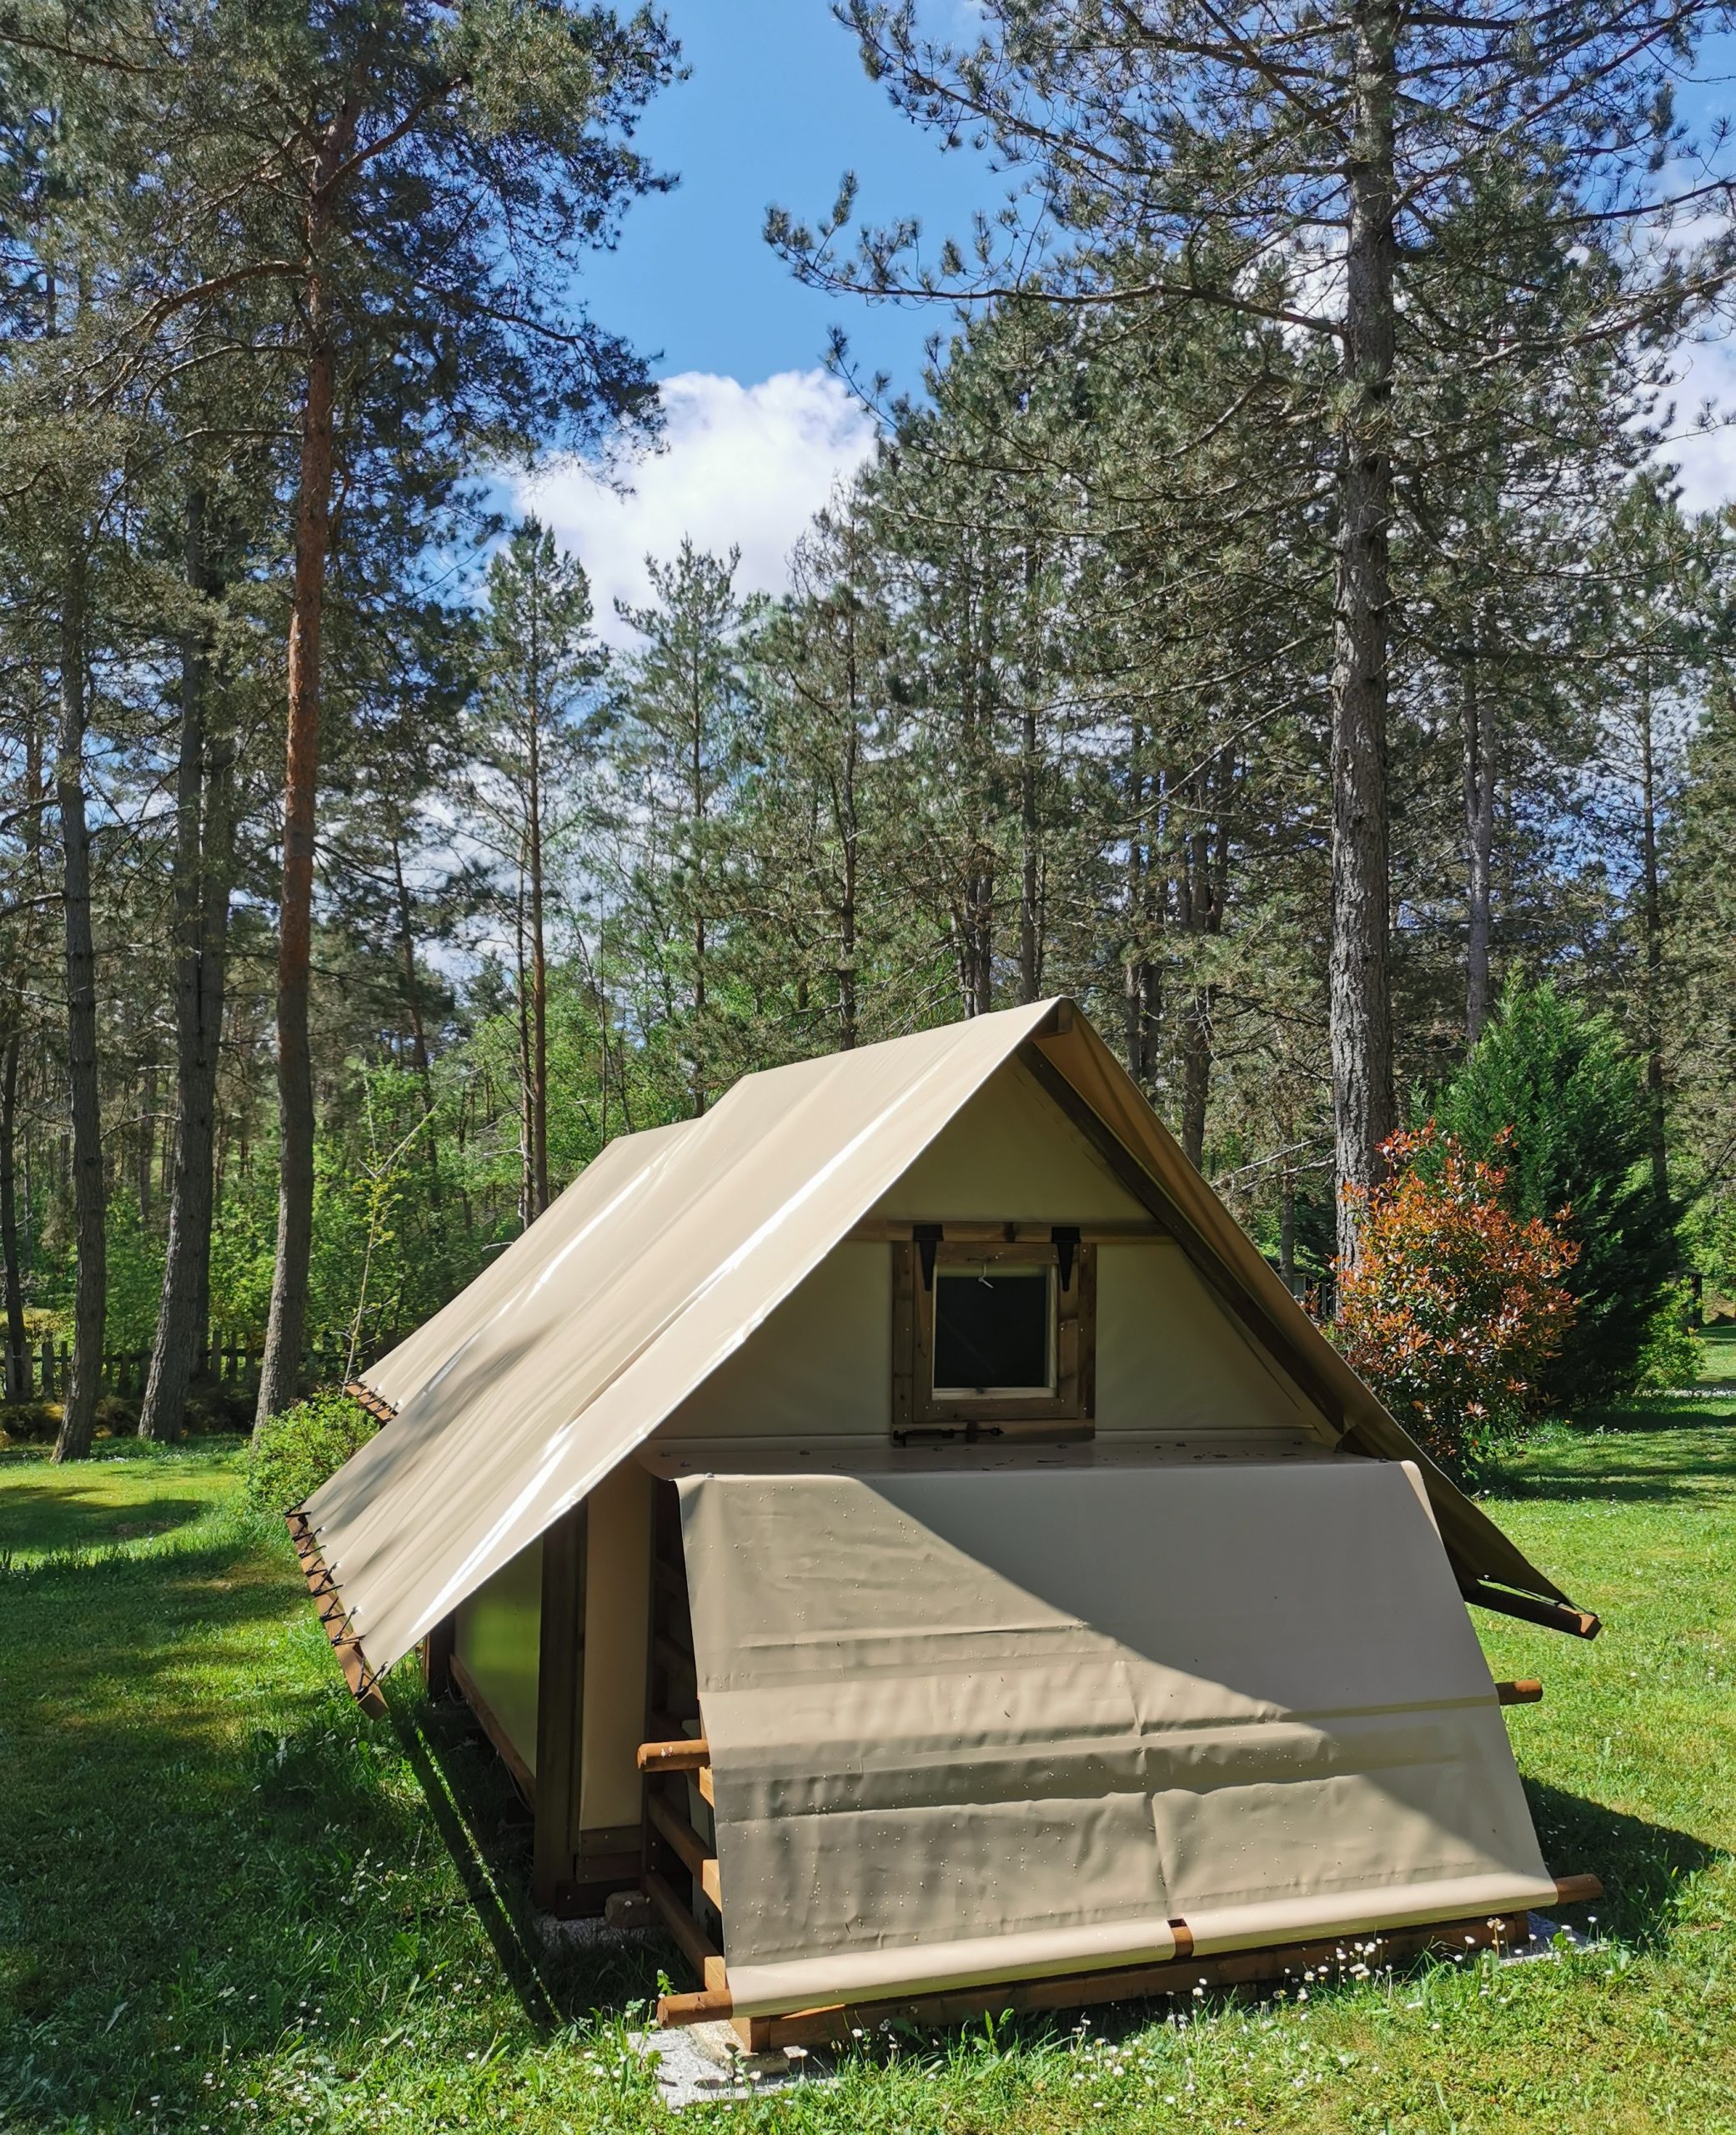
(1138, 1659)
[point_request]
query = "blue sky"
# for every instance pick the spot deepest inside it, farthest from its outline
(776, 107)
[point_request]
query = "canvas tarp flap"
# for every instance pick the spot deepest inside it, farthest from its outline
(670, 1265)
(970, 1726)
(405, 1370)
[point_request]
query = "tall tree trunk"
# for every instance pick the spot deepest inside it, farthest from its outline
(1031, 952)
(1142, 969)
(539, 984)
(147, 1151)
(1286, 1229)
(203, 878)
(1363, 1111)
(527, 1126)
(850, 838)
(286, 1327)
(17, 1361)
(79, 1415)
(1479, 771)
(1652, 917)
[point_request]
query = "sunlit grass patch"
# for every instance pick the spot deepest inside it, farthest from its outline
(227, 1900)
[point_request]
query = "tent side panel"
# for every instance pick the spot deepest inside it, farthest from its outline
(495, 1644)
(617, 1624)
(1169, 1356)
(819, 1366)
(1011, 1156)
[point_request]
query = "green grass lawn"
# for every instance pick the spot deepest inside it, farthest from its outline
(227, 1901)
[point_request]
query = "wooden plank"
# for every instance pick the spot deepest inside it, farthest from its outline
(690, 1848)
(437, 1652)
(1531, 1609)
(670, 1657)
(363, 1683)
(695, 1945)
(560, 1706)
(684, 1753)
(509, 1752)
(1180, 1975)
(1526, 1690)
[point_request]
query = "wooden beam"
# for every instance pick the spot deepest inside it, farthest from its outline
(1526, 1690)
(1578, 1890)
(1179, 1975)
(690, 1848)
(437, 1652)
(686, 1753)
(560, 1707)
(700, 1951)
(334, 1617)
(1531, 1609)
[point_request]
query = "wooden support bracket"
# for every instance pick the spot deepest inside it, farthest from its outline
(334, 1617)
(1527, 1689)
(1532, 1609)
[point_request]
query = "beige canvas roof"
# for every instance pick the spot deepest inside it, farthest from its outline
(985, 1725)
(667, 1251)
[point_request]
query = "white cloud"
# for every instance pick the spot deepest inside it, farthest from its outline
(742, 467)
(1705, 459)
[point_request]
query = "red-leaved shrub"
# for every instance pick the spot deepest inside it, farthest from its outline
(1455, 1303)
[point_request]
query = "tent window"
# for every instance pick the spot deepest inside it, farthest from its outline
(994, 1331)
(993, 1335)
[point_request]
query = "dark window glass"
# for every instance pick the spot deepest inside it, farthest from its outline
(991, 1329)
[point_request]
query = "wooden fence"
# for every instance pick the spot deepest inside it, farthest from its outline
(229, 1361)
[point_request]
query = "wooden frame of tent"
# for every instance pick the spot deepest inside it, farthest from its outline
(671, 1853)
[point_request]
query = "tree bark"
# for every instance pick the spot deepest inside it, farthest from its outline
(17, 1356)
(538, 983)
(78, 1414)
(1652, 919)
(850, 839)
(1142, 971)
(203, 878)
(1479, 770)
(1363, 1113)
(280, 1366)
(1031, 946)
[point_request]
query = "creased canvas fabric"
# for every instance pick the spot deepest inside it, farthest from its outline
(969, 1726)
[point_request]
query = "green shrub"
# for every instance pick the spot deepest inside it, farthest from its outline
(1550, 1094)
(296, 1451)
(1673, 1354)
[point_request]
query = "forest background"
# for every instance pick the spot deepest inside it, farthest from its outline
(1273, 623)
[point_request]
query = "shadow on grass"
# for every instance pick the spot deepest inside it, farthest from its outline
(74, 1516)
(486, 1830)
(1656, 1455)
(1644, 1868)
